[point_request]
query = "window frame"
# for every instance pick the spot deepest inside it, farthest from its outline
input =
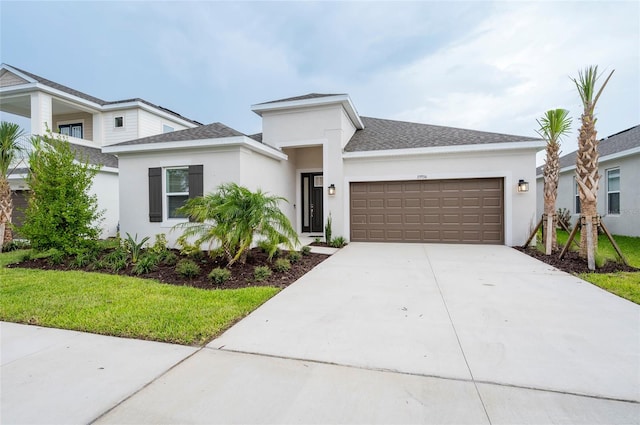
(167, 126)
(69, 124)
(115, 122)
(166, 194)
(609, 191)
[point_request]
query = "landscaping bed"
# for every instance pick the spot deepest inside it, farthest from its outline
(242, 275)
(572, 263)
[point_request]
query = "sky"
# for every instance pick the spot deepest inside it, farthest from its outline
(482, 65)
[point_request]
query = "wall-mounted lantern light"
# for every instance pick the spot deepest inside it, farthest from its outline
(332, 189)
(523, 186)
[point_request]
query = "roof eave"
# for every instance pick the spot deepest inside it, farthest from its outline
(243, 141)
(526, 145)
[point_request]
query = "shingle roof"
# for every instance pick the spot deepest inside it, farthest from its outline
(210, 131)
(303, 97)
(616, 143)
(94, 156)
(380, 134)
(257, 137)
(93, 99)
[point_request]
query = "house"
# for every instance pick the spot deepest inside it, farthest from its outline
(619, 188)
(379, 180)
(89, 124)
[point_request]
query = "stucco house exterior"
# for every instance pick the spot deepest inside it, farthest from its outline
(89, 123)
(379, 180)
(619, 188)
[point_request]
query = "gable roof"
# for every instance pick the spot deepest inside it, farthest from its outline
(90, 98)
(620, 142)
(210, 131)
(381, 134)
(303, 97)
(94, 156)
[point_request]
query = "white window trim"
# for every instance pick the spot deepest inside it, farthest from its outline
(124, 122)
(619, 192)
(166, 220)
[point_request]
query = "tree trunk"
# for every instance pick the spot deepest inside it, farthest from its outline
(587, 179)
(6, 210)
(550, 174)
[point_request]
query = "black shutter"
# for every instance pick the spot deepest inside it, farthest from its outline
(195, 181)
(196, 184)
(155, 195)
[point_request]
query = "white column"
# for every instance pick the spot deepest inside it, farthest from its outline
(98, 129)
(41, 113)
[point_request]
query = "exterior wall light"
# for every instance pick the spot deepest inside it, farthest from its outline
(332, 189)
(523, 186)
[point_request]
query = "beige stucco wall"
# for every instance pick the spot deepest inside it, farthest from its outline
(520, 208)
(628, 221)
(79, 117)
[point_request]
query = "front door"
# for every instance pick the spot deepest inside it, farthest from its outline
(312, 191)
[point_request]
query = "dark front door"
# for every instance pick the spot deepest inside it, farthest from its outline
(312, 188)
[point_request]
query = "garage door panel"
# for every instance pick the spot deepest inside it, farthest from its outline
(451, 211)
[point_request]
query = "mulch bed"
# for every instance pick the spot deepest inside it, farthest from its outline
(241, 274)
(572, 263)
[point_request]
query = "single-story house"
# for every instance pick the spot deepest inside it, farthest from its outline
(379, 180)
(619, 189)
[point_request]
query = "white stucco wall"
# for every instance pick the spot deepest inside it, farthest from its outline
(520, 208)
(628, 221)
(105, 187)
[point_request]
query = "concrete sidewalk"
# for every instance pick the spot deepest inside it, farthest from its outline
(378, 333)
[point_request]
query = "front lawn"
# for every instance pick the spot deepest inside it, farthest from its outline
(121, 306)
(623, 284)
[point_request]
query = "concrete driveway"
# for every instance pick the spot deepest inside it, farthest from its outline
(404, 333)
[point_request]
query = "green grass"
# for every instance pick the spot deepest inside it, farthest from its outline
(625, 285)
(121, 306)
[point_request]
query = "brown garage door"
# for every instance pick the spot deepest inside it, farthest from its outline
(448, 211)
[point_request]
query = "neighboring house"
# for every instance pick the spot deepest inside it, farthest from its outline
(380, 180)
(619, 188)
(88, 122)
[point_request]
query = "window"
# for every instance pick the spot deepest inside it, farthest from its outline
(118, 122)
(576, 195)
(73, 130)
(613, 191)
(167, 128)
(177, 190)
(169, 188)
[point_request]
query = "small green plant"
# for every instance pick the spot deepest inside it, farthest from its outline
(146, 263)
(305, 250)
(282, 265)
(187, 268)
(26, 256)
(270, 248)
(317, 240)
(160, 245)
(338, 242)
(327, 230)
(134, 247)
(82, 259)
(219, 275)
(56, 257)
(187, 248)
(600, 260)
(169, 258)
(261, 273)
(100, 265)
(15, 244)
(294, 256)
(116, 260)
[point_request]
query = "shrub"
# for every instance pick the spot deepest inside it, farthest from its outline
(294, 256)
(338, 242)
(187, 248)
(134, 247)
(61, 213)
(261, 273)
(160, 245)
(82, 259)
(55, 257)
(146, 263)
(270, 248)
(26, 256)
(282, 265)
(116, 260)
(15, 245)
(100, 265)
(219, 275)
(169, 258)
(306, 250)
(187, 268)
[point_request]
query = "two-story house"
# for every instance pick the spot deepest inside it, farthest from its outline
(89, 123)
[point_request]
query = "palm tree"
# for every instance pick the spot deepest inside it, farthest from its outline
(233, 217)
(553, 125)
(587, 176)
(10, 133)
